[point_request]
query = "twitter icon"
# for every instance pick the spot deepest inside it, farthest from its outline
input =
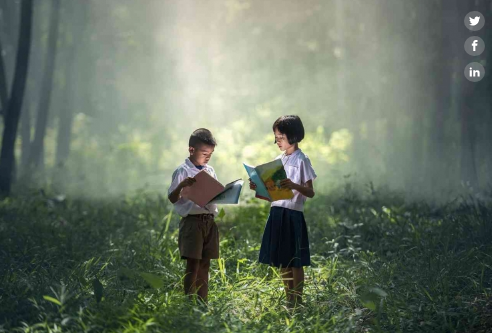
(474, 21)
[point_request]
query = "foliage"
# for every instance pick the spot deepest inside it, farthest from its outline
(380, 264)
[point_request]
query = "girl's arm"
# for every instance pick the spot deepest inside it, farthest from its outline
(307, 190)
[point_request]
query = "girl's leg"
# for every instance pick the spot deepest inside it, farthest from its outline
(191, 272)
(298, 285)
(202, 279)
(287, 279)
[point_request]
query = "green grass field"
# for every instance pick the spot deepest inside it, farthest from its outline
(379, 265)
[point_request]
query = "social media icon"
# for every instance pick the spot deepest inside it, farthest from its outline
(474, 21)
(474, 46)
(474, 72)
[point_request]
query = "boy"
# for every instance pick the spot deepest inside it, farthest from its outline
(198, 239)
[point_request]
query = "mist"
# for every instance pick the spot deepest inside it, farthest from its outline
(378, 84)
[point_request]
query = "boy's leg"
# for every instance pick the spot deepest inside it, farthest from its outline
(287, 279)
(210, 251)
(192, 266)
(190, 242)
(298, 274)
(202, 279)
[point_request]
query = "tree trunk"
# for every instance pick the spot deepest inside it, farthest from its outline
(7, 157)
(66, 114)
(468, 164)
(443, 66)
(342, 61)
(37, 148)
(72, 65)
(4, 92)
(32, 92)
(10, 29)
(25, 134)
(7, 61)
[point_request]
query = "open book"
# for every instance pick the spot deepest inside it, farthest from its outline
(267, 178)
(207, 190)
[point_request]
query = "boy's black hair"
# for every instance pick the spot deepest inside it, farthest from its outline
(290, 126)
(202, 136)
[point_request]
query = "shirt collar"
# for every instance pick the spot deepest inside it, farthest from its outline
(296, 152)
(191, 165)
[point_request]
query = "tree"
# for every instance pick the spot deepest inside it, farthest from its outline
(9, 27)
(7, 157)
(446, 15)
(36, 151)
(72, 66)
(3, 84)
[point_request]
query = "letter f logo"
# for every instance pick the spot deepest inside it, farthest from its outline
(474, 45)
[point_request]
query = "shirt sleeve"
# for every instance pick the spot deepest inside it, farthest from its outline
(178, 176)
(212, 208)
(212, 173)
(307, 171)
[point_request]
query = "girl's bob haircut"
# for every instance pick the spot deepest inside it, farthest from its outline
(291, 126)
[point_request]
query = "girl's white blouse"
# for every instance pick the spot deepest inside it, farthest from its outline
(299, 170)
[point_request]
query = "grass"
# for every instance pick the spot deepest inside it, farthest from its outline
(378, 265)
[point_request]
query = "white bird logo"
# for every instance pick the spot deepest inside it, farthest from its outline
(474, 21)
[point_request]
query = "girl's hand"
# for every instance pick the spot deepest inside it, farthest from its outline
(187, 182)
(252, 186)
(287, 183)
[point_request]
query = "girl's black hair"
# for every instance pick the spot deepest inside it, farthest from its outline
(202, 136)
(290, 126)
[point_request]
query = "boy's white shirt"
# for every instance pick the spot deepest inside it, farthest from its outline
(185, 207)
(299, 170)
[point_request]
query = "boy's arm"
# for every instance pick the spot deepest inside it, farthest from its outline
(175, 194)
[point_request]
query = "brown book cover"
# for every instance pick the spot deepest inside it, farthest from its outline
(203, 190)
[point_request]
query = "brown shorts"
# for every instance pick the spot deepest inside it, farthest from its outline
(198, 237)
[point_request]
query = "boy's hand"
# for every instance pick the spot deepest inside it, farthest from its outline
(287, 183)
(252, 186)
(187, 182)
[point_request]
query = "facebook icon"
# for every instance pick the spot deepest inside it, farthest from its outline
(474, 46)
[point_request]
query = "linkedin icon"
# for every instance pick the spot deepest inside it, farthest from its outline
(474, 72)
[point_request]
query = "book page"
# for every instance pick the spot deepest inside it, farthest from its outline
(271, 174)
(230, 195)
(261, 191)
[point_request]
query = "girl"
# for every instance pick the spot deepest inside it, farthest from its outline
(285, 240)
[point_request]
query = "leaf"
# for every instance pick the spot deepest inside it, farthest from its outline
(221, 213)
(370, 305)
(53, 300)
(98, 289)
(168, 220)
(370, 299)
(378, 291)
(428, 295)
(153, 280)
(127, 272)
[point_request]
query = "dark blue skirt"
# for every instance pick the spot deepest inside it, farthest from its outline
(285, 240)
